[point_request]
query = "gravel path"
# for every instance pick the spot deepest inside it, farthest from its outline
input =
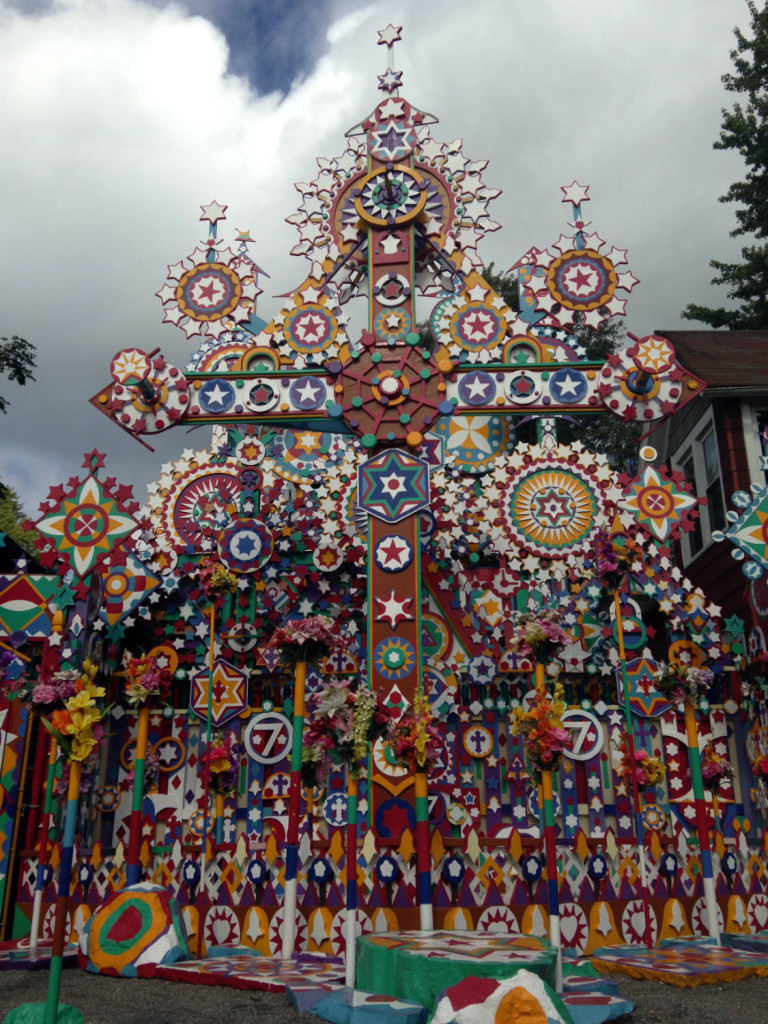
(105, 1000)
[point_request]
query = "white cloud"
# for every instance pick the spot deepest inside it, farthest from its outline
(119, 121)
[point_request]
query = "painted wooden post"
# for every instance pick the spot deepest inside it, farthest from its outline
(62, 901)
(550, 855)
(423, 854)
(294, 808)
(350, 921)
(42, 855)
(702, 822)
(639, 831)
(133, 865)
(219, 819)
(207, 787)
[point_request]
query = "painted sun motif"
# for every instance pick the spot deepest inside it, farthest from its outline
(394, 658)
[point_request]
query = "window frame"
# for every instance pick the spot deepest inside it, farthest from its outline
(692, 447)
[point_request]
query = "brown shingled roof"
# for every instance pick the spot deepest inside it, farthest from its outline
(724, 359)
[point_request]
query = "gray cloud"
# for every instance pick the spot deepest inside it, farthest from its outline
(120, 119)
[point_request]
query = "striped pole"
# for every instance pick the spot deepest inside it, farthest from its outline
(294, 808)
(423, 855)
(62, 900)
(550, 853)
(639, 830)
(350, 918)
(702, 822)
(42, 856)
(201, 890)
(133, 865)
(219, 819)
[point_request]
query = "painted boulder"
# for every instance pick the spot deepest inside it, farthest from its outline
(522, 999)
(138, 928)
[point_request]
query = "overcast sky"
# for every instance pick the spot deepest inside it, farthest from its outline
(118, 119)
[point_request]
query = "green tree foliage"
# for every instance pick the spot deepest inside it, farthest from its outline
(745, 129)
(604, 433)
(17, 361)
(12, 515)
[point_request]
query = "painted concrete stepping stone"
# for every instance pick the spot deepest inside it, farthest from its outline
(304, 996)
(682, 963)
(351, 1006)
(422, 965)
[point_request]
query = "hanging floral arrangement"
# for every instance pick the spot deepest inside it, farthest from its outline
(343, 721)
(545, 737)
(715, 769)
(215, 579)
(146, 682)
(307, 640)
(760, 768)
(647, 770)
(680, 682)
(77, 726)
(47, 694)
(614, 558)
(221, 764)
(418, 743)
(538, 635)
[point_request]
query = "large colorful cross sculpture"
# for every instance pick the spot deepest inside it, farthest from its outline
(399, 215)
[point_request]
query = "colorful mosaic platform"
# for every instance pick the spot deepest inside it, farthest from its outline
(420, 965)
(19, 957)
(685, 964)
(248, 971)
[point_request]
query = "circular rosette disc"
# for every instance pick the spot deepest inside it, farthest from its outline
(634, 394)
(164, 405)
(388, 198)
(209, 291)
(300, 451)
(200, 504)
(392, 395)
(474, 442)
(477, 326)
(551, 509)
(582, 279)
(310, 328)
(245, 545)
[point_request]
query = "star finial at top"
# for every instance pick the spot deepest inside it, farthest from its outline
(390, 34)
(213, 211)
(575, 193)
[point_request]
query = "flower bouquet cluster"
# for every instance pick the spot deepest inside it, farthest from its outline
(145, 681)
(678, 682)
(77, 726)
(215, 579)
(307, 640)
(343, 722)
(760, 768)
(546, 738)
(418, 744)
(647, 770)
(221, 764)
(538, 635)
(714, 768)
(614, 560)
(47, 694)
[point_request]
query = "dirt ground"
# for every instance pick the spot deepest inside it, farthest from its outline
(105, 1000)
